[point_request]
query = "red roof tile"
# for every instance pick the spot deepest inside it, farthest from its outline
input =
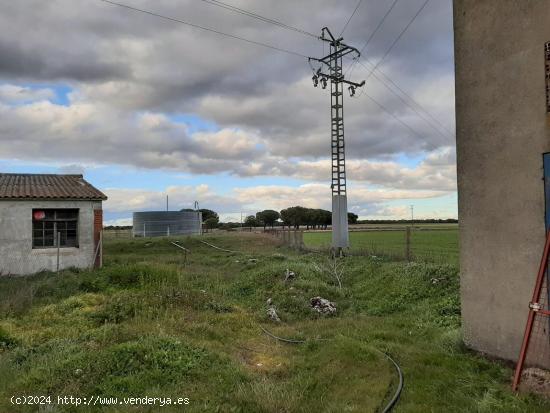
(47, 186)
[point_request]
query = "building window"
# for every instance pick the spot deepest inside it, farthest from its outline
(547, 67)
(46, 223)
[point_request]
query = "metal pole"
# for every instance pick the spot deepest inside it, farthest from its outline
(333, 62)
(408, 244)
(144, 229)
(58, 240)
(166, 203)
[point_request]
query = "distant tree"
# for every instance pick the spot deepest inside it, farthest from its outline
(251, 221)
(208, 213)
(228, 225)
(260, 218)
(118, 227)
(310, 218)
(294, 216)
(187, 210)
(267, 217)
(285, 217)
(352, 218)
(211, 222)
(326, 218)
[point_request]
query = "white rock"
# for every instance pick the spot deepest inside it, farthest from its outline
(272, 314)
(323, 306)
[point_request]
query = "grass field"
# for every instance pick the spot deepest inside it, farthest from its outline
(428, 244)
(149, 324)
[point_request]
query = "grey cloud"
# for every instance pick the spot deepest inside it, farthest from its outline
(122, 64)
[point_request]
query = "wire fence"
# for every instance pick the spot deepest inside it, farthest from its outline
(117, 233)
(425, 244)
(20, 256)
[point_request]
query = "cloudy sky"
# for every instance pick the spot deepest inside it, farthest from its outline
(145, 107)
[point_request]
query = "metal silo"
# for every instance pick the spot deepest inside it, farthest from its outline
(165, 223)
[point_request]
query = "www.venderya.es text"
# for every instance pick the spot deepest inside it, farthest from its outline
(94, 400)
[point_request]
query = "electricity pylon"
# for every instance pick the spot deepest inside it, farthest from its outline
(333, 64)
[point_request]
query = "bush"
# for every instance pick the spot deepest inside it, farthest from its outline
(7, 341)
(118, 308)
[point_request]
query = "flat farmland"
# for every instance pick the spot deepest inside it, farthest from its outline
(439, 244)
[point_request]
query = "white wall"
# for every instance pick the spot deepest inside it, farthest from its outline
(16, 253)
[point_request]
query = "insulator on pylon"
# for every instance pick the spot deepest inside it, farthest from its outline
(315, 79)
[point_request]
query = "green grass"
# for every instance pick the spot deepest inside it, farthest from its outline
(150, 324)
(439, 245)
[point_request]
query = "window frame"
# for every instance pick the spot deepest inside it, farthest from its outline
(55, 221)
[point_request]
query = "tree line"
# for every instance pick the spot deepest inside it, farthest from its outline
(298, 216)
(293, 217)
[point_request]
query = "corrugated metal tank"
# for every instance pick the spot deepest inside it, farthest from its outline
(164, 223)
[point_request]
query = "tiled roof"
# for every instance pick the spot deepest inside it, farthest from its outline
(47, 186)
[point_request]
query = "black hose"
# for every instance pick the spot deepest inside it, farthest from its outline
(389, 407)
(221, 249)
(286, 340)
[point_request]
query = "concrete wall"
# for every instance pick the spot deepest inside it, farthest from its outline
(16, 253)
(502, 131)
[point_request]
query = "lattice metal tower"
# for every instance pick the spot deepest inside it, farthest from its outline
(333, 62)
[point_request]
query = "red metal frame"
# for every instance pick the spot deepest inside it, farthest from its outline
(98, 227)
(533, 310)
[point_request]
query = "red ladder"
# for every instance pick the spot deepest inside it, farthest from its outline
(534, 309)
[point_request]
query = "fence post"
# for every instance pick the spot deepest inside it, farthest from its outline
(408, 244)
(101, 249)
(57, 242)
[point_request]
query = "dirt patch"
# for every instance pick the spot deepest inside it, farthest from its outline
(535, 380)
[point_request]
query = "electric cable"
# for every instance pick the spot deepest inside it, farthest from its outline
(388, 51)
(408, 104)
(380, 23)
(381, 72)
(248, 13)
(350, 17)
(392, 115)
(280, 49)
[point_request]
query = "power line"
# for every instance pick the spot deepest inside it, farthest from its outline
(275, 47)
(350, 17)
(248, 13)
(385, 109)
(411, 99)
(205, 28)
(396, 40)
(399, 36)
(413, 108)
(375, 68)
(380, 23)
